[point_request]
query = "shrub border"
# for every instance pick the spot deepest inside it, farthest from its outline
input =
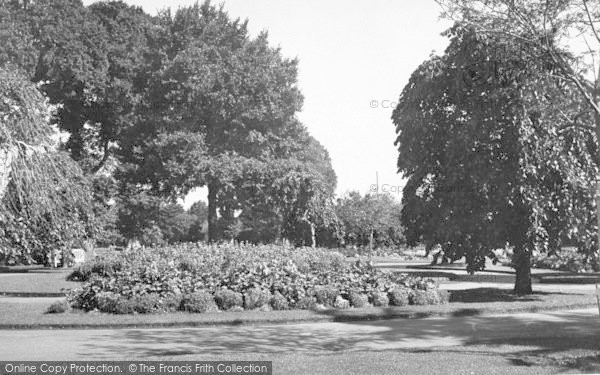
(307, 316)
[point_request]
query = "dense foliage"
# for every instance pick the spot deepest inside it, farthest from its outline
(246, 276)
(569, 261)
(490, 160)
(370, 221)
(155, 106)
(44, 197)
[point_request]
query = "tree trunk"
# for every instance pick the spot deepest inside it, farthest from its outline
(522, 263)
(371, 235)
(313, 236)
(212, 212)
(598, 213)
(6, 158)
(597, 195)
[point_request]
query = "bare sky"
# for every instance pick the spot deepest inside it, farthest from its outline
(354, 55)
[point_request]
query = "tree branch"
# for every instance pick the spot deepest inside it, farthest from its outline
(589, 17)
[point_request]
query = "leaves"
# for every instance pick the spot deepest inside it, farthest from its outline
(44, 197)
(485, 163)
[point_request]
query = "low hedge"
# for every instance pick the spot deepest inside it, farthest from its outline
(203, 278)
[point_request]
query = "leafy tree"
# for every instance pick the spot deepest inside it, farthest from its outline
(43, 194)
(106, 209)
(199, 212)
(138, 218)
(93, 63)
(294, 197)
(372, 220)
(176, 99)
(559, 33)
(490, 160)
(219, 114)
(175, 223)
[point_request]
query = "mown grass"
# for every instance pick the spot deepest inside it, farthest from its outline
(38, 283)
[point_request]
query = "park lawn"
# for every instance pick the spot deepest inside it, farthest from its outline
(23, 313)
(37, 283)
(477, 360)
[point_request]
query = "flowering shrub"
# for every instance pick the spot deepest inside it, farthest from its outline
(567, 261)
(429, 297)
(380, 299)
(58, 307)
(103, 266)
(235, 277)
(256, 297)
(199, 302)
(326, 295)
(400, 296)
(279, 302)
(341, 303)
(358, 299)
(228, 299)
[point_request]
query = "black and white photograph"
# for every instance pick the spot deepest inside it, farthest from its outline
(299, 187)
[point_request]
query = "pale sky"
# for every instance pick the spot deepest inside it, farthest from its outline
(353, 55)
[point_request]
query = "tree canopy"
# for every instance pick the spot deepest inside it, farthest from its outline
(562, 34)
(155, 106)
(220, 114)
(370, 220)
(489, 158)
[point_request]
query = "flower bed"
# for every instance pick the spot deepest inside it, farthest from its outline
(567, 261)
(204, 278)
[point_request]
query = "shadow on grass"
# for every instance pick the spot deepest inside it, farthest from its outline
(490, 295)
(575, 278)
(522, 340)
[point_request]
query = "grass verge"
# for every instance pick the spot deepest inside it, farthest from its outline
(30, 314)
(38, 283)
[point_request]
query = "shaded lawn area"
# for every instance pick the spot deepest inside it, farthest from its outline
(36, 283)
(511, 344)
(30, 312)
(436, 361)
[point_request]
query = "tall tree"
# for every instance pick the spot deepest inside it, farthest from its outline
(562, 33)
(223, 102)
(490, 160)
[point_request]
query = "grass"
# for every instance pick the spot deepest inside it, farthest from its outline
(36, 283)
(30, 313)
(483, 361)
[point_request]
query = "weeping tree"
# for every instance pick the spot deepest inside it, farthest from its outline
(491, 156)
(45, 198)
(564, 34)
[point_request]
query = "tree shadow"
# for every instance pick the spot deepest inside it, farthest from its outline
(491, 295)
(522, 337)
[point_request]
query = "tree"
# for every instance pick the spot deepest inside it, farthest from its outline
(560, 33)
(105, 205)
(138, 218)
(93, 63)
(43, 194)
(294, 198)
(199, 213)
(490, 160)
(221, 111)
(372, 220)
